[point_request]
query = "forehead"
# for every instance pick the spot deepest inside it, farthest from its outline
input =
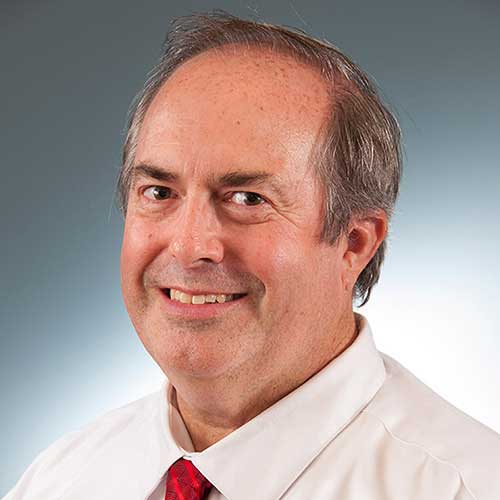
(247, 107)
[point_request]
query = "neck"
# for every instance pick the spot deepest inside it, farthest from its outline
(213, 409)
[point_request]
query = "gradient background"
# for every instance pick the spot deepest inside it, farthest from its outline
(69, 72)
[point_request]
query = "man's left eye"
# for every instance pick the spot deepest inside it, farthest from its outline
(247, 198)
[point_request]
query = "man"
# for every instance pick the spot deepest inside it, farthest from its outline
(260, 170)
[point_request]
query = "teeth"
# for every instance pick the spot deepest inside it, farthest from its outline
(185, 298)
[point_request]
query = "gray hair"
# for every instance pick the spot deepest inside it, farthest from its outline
(359, 159)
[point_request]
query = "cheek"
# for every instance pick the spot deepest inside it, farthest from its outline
(138, 246)
(278, 260)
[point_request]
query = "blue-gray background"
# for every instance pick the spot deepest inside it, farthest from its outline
(69, 70)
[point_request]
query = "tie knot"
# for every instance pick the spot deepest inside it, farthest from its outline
(186, 482)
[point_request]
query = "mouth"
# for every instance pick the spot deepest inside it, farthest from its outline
(199, 304)
(198, 298)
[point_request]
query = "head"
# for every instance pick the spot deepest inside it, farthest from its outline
(277, 169)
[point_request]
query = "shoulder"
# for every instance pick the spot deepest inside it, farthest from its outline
(56, 467)
(417, 418)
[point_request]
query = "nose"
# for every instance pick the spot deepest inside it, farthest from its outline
(196, 235)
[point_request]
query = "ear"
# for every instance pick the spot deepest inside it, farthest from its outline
(365, 235)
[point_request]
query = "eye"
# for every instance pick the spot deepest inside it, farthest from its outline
(247, 198)
(158, 193)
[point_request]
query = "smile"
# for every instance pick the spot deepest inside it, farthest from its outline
(210, 298)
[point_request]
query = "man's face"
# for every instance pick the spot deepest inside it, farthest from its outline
(224, 200)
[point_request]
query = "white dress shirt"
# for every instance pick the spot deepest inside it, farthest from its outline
(363, 428)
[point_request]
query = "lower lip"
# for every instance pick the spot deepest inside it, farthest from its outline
(198, 311)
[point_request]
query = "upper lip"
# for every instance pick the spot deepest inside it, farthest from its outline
(202, 292)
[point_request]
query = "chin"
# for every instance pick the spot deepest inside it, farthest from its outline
(181, 355)
(199, 365)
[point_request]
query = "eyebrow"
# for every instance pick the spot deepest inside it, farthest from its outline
(229, 179)
(157, 173)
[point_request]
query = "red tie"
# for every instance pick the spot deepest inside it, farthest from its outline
(186, 482)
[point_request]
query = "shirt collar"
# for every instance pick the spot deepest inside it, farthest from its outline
(272, 449)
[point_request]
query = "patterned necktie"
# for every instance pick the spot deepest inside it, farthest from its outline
(186, 482)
